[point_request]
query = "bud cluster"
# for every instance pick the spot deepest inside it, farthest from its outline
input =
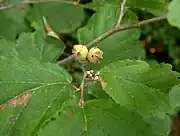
(94, 55)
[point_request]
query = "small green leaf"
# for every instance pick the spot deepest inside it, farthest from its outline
(12, 23)
(63, 18)
(160, 127)
(157, 7)
(84, 35)
(122, 45)
(70, 122)
(7, 48)
(14, 1)
(34, 45)
(137, 86)
(174, 96)
(96, 90)
(105, 118)
(31, 92)
(173, 14)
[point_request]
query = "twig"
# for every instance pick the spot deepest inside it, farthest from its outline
(21, 5)
(5, 6)
(122, 28)
(113, 31)
(121, 13)
(69, 59)
(81, 88)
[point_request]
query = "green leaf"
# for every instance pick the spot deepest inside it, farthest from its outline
(152, 62)
(61, 17)
(106, 118)
(160, 127)
(96, 90)
(173, 13)
(14, 1)
(7, 48)
(157, 7)
(31, 92)
(70, 122)
(103, 117)
(138, 86)
(12, 23)
(34, 45)
(174, 95)
(122, 45)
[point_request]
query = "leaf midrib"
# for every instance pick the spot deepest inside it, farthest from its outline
(36, 88)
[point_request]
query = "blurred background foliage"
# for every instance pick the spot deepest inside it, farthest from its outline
(161, 41)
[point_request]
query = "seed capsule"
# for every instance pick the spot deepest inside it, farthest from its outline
(80, 51)
(95, 55)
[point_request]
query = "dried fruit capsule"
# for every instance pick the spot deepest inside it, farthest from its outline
(80, 51)
(95, 55)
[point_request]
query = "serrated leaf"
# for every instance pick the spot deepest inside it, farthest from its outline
(138, 86)
(34, 45)
(70, 121)
(106, 118)
(54, 13)
(103, 117)
(157, 7)
(44, 86)
(173, 13)
(122, 45)
(12, 23)
(7, 49)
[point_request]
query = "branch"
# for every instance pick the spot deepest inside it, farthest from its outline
(21, 5)
(122, 28)
(81, 87)
(121, 13)
(113, 31)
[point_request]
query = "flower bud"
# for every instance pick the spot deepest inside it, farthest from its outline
(80, 51)
(95, 55)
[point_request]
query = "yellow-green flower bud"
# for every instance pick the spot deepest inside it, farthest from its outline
(95, 55)
(80, 52)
